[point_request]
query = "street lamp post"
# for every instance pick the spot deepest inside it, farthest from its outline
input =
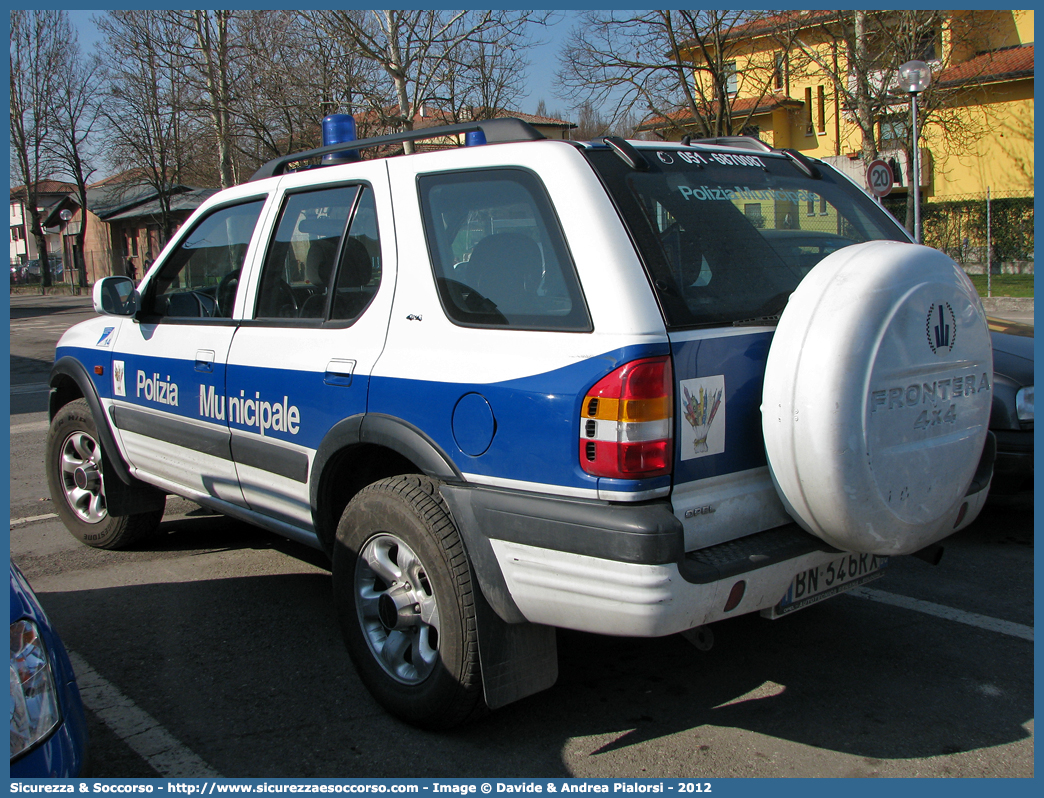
(914, 77)
(77, 258)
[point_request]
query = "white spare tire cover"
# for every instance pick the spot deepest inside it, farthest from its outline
(877, 397)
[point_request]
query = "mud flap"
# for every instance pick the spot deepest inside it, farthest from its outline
(122, 499)
(518, 659)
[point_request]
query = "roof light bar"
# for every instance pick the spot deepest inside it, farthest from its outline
(338, 129)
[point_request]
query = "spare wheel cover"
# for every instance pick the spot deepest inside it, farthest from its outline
(877, 397)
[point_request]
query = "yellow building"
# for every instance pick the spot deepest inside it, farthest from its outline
(793, 82)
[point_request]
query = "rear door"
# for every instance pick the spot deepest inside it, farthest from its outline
(318, 317)
(726, 237)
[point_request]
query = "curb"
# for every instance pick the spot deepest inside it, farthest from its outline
(1010, 304)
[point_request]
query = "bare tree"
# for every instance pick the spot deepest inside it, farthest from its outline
(424, 54)
(484, 78)
(292, 76)
(275, 104)
(211, 49)
(35, 63)
(77, 110)
(680, 66)
(591, 124)
(146, 107)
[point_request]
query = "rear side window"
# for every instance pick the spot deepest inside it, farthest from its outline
(299, 266)
(498, 253)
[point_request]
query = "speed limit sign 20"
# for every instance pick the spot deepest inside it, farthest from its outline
(879, 178)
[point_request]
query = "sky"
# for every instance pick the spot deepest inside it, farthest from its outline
(543, 58)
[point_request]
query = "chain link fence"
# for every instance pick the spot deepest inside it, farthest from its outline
(67, 281)
(976, 230)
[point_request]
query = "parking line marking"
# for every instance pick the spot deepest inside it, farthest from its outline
(136, 727)
(20, 521)
(949, 613)
(32, 387)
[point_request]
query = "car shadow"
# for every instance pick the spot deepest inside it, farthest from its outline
(199, 531)
(250, 674)
(27, 369)
(43, 307)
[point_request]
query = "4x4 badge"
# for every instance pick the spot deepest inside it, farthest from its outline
(941, 327)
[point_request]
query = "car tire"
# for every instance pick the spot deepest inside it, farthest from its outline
(74, 475)
(404, 597)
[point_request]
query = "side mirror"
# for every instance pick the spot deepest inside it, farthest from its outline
(116, 296)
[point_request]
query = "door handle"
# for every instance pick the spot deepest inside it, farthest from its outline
(339, 372)
(205, 361)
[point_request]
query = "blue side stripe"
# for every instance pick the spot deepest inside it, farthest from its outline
(536, 422)
(536, 417)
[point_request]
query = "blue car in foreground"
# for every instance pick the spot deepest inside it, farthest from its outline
(48, 728)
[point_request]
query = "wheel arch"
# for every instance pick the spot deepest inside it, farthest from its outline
(70, 381)
(360, 450)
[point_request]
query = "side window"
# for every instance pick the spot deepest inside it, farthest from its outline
(360, 272)
(301, 276)
(498, 253)
(201, 277)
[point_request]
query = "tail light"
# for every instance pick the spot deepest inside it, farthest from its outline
(627, 421)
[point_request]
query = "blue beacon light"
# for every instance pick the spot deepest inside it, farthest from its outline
(338, 129)
(474, 138)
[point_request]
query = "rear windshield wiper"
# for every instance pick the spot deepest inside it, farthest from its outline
(760, 321)
(764, 315)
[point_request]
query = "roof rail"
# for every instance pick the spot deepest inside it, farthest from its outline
(496, 131)
(803, 163)
(742, 142)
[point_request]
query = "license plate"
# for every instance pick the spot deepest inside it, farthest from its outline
(837, 576)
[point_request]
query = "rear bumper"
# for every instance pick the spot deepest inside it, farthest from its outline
(616, 569)
(622, 569)
(625, 599)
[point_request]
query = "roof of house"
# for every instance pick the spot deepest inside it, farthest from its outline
(126, 176)
(56, 206)
(125, 196)
(107, 199)
(533, 119)
(427, 116)
(186, 201)
(763, 25)
(45, 187)
(1011, 63)
(741, 106)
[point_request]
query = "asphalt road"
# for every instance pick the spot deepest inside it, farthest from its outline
(222, 638)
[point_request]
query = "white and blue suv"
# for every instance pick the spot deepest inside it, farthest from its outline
(622, 387)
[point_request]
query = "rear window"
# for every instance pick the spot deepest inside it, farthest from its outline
(727, 238)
